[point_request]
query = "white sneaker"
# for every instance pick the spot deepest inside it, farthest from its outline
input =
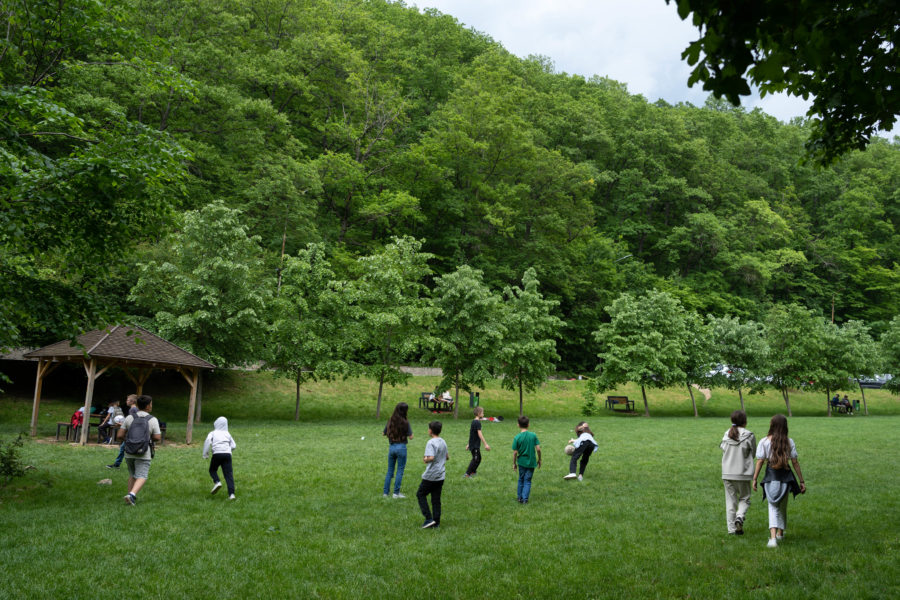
(772, 543)
(216, 487)
(580, 478)
(778, 538)
(386, 496)
(231, 497)
(570, 476)
(399, 495)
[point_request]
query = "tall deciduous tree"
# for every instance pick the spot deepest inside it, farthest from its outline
(643, 343)
(208, 294)
(394, 311)
(890, 354)
(698, 354)
(794, 336)
(528, 350)
(468, 330)
(742, 350)
(310, 314)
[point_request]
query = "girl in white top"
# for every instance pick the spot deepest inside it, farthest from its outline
(220, 442)
(585, 444)
(776, 450)
(738, 449)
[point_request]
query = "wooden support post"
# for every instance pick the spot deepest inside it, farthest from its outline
(37, 394)
(192, 380)
(198, 414)
(91, 369)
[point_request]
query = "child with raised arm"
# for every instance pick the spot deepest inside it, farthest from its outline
(777, 449)
(436, 456)
(526, 457)
(476, 438)
(738, 449)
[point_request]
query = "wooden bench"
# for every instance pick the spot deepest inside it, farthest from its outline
(613, 401)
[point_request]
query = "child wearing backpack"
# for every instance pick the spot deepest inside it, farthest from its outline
(139, 431)
(221, 443)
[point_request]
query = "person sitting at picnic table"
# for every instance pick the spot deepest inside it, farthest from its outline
(847, 404)
(447, 397)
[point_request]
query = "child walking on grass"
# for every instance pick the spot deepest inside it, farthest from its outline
(526, 457)
(476, 438)
(436, 456)
(738, 449)
(585, 444)
(220, 442)
(776, 450)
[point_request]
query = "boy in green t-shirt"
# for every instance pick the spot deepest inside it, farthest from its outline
(526, 456)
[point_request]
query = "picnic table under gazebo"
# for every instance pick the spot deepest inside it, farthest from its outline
(134, 350)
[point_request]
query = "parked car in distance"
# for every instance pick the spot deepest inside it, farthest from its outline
(875, 382)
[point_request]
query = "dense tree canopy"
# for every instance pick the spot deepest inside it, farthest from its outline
(348, 123)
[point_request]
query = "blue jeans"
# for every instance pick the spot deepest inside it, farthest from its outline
(524, 489)
(396, 455)
(121, 455)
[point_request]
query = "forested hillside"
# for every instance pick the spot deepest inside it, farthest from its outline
(347, 122)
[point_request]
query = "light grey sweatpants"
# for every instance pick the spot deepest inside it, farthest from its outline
(737, 500)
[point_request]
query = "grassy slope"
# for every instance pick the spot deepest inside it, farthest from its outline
(648, 521)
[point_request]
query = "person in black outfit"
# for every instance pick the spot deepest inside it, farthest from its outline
(475, 440)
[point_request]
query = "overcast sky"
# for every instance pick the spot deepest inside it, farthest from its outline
(636, 42)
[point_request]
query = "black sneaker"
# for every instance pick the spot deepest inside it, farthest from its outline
(130, 498)
(113, 466)
(739, 527)
(429, 523)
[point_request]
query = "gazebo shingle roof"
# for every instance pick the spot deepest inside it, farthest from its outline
(125, 344)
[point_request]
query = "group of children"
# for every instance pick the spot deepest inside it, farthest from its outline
(526, 458)
(739, 473)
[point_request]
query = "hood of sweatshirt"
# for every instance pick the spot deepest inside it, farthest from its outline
(743, 434)
(221, 424)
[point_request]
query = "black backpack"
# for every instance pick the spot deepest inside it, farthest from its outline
(137, 438)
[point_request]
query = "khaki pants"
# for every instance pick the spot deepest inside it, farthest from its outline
(737, 500)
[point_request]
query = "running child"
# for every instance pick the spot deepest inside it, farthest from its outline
(220, 442)
(738, 449)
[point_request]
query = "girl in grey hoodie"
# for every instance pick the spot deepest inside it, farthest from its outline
(221, 443)
(738, 450)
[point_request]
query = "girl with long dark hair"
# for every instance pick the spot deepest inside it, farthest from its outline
(398, 432)
(779, 452)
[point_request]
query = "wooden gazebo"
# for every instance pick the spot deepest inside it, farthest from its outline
(134, 350)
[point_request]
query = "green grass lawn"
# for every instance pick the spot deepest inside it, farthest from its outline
(310, 522)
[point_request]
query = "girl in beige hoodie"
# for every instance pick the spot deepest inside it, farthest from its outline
(738, 450)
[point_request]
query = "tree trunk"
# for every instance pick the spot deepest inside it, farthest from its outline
(741, 396)
(863, 392)
(297, 404)
(787, 400)
(456, 400)
(828, 400)
(646, 408)
(380, 386)
(693, 402)
(521, 404)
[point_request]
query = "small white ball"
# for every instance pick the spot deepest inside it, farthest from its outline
(363, 437)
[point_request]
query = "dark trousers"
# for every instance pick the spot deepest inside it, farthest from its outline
(434, 488)
(476, 460)
(103, 430)
(584, 452)
(222, 460)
